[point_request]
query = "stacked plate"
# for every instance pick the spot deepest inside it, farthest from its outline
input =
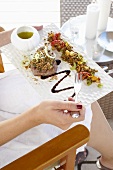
(105, 40)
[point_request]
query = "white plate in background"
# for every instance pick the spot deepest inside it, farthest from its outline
(105, 39)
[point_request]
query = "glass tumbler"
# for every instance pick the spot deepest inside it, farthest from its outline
(97, 51)
(74, 25)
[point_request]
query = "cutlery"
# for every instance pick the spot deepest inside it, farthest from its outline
(77, 85)
(77, 88)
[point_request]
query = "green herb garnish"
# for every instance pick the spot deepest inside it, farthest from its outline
(73, 67)
(100, 85)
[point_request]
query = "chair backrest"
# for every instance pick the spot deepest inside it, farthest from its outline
(62, 147)
(1, 63)
(73, 8)
(111, 11)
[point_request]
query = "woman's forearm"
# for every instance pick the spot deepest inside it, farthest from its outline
(11, 128)
(5, 37)
(48, 112)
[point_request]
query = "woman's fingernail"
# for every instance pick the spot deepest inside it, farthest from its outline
(79, 106)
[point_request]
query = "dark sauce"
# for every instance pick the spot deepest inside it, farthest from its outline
(65, 71)
(53, 90)
(58, 61)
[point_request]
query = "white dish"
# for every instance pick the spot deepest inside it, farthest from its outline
(88, 94)
(105, 39)
(25, 44)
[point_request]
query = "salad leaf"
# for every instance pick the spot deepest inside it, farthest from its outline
(73, 67)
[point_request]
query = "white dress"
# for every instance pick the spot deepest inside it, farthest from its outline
(16, 96)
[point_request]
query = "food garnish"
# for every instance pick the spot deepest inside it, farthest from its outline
(75, 59)
(44, 61)
(100, 85)
(25, 62)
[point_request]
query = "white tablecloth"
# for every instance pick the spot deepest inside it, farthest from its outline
(16, 96)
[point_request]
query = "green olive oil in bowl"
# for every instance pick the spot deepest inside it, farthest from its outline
(25, 35)
(25, 38)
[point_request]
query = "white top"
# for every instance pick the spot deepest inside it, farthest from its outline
(16, 96)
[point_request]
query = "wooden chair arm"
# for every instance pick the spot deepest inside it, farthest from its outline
(1, 63)
(52, 151)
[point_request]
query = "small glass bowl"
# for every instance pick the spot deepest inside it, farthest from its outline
(25, 44)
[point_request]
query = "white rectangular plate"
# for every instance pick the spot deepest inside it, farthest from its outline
(87, 95)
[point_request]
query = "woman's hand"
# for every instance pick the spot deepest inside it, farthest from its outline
(38, 28)
(58, 113)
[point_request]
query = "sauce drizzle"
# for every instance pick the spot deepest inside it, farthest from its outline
(53, 90)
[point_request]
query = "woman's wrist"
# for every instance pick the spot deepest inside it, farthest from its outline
(35, 117)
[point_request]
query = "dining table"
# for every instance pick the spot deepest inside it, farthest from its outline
(17, 95)
(106, 58)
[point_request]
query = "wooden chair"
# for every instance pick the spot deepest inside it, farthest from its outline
(72, 8)
(1, 62)
(62, 148)
(111, 12)
(1, 65)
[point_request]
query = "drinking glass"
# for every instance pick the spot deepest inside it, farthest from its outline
(97, 51)
(93, 50)
(74, 24)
